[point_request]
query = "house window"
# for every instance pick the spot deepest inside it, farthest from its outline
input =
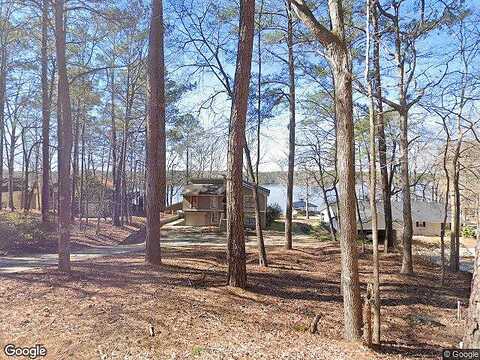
(248, 201)
(194, 201)
(213, 202)
(421, 224)
(250, 222)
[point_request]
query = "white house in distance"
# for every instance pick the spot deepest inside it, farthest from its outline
(427, 217)
(301, 206)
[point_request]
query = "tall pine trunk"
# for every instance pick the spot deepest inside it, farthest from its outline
(407, 258)
(262, 254)
(76, 137)
(11, 162)
(3, 85)
(373, 187)
(445, 208)
(3, 90)
(382, 144)
(237, 273)
(471, 338)
(291, 130)
(155, 135)
(455, 193)
(65, 143)
(45, 117)
(346, 182)
(115, 212)
(455, 216)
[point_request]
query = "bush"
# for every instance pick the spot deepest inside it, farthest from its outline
(302, 228)
(273, 213)
(321, 232)
(468, 232)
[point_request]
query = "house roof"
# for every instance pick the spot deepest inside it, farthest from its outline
(203, 189)
(250, 185)
(428, 211)
(301, 204)
(213, 186)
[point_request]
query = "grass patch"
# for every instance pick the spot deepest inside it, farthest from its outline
(197, 350)
(301, 327)
(299, 228)
(25, 231)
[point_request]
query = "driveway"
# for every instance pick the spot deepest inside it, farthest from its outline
(172, 236)
(431, 250)
(180, 236)
(11, 264)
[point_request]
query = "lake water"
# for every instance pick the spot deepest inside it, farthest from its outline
(278, 195)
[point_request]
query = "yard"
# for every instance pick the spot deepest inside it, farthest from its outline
(109, 306)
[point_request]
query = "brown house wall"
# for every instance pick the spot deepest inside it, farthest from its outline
(194, 216)
(249, 206)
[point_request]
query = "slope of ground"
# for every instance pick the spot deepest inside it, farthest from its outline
(104, 309)
(24, 233)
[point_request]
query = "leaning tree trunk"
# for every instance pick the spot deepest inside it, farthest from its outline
(155, 135)
(65, 139)
(291, 129)
(237, 273)
(321, 183)
(262, 254)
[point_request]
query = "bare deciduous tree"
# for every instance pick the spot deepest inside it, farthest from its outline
(338, 55)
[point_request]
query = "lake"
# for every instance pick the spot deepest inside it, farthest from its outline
(278, 195)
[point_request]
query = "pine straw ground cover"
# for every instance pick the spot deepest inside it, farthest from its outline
(24, 233)
(104, 309)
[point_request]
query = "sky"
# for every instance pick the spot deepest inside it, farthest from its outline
(275, 130)
(434, 51)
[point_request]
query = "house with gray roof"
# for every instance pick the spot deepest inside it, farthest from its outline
(427, 217)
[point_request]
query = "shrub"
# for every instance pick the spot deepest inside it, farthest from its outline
(321, 232)
(197, 350)
(468, 231)
(273, 213)
(301, 327)
(302, 228)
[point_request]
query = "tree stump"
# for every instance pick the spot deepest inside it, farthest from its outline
(314, 324)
